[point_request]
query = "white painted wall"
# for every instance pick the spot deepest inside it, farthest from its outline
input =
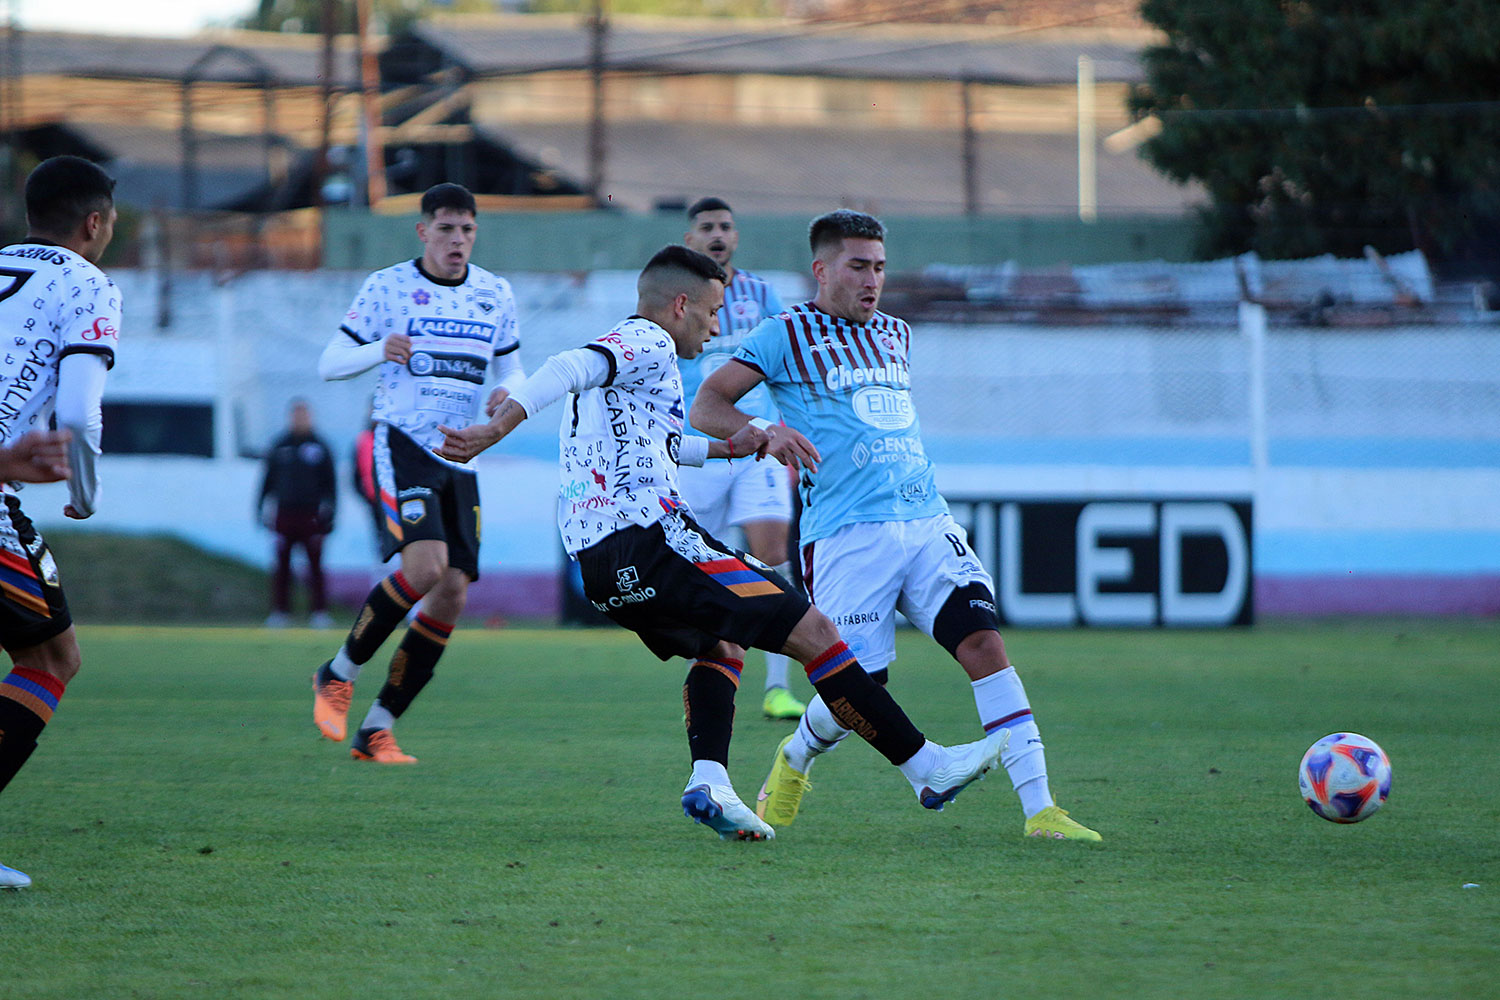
(1008, 411)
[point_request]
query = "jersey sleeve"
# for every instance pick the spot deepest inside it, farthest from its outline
(507, 328)
(764, 348)
(639, 355)
(367, 318)
(91, 324)
(773, 303)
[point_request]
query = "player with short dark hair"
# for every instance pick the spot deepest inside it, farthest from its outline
(454, 197)
(62, 315)
(752, 496)
(649, 566)
(435, 327)
(876, 535)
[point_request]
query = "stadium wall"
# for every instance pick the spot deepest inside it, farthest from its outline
(1379, 492)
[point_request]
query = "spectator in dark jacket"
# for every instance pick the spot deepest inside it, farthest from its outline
(297, 501)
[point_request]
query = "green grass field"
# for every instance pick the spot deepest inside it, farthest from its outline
(190, 836)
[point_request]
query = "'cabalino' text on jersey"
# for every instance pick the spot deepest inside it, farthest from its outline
(620, 442)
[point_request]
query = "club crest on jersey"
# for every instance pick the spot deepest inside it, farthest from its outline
(48, 566)
(412, 511)
(486, 300)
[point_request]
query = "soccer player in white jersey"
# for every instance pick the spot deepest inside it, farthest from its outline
(752, 496)
(876, 535)
(61, 315)
(435, 327)
(649, 566)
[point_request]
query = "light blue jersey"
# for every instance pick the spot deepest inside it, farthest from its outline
(847, 387)
(748, 300)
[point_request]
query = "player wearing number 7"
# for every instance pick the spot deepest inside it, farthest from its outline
(61, 317)
(876, 535)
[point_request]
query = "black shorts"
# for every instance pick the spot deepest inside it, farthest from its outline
(32, 606)
(682, 590)
(423, 497)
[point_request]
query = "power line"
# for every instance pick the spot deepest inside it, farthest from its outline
(1302, 113)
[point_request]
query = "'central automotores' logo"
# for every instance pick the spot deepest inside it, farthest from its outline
(861, 455)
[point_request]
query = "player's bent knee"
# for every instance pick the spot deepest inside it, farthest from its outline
(969, 609)
(57, 656)
(812, 636)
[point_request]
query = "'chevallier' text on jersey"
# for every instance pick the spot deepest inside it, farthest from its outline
(456, 329)
(619, 442)
(847, 387)
(53, 303)
(748, 299)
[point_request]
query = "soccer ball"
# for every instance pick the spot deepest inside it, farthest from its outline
(1345, 777)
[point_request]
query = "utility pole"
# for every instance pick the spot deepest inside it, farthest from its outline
(1088, 170)
(597, 29)
(11, 120)
(970, 150)
(369, 85)
(325, 90)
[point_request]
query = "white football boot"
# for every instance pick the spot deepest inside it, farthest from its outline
(720, 808)
(957, 768)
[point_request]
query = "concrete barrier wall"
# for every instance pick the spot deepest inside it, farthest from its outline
(1381, 493)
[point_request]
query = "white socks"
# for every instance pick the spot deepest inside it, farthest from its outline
(342, 667)
(817, 732)
(709, 772)
(379, 717)
(776, 663)
(1001, 700)
(776, 671)
(921, 765)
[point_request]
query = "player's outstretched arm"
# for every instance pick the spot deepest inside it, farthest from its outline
(37, 457)
(743, 443)
(715, 414)
(462, 444)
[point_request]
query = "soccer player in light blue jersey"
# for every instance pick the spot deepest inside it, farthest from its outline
(876, 535)
(752, 496)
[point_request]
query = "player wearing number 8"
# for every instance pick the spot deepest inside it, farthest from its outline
(61, 315)
(876, 535)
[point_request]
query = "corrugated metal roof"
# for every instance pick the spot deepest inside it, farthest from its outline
(777, 169)
(510, 45)
(290, 59)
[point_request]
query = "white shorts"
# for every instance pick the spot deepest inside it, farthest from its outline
(723, 494)
(864, 573)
